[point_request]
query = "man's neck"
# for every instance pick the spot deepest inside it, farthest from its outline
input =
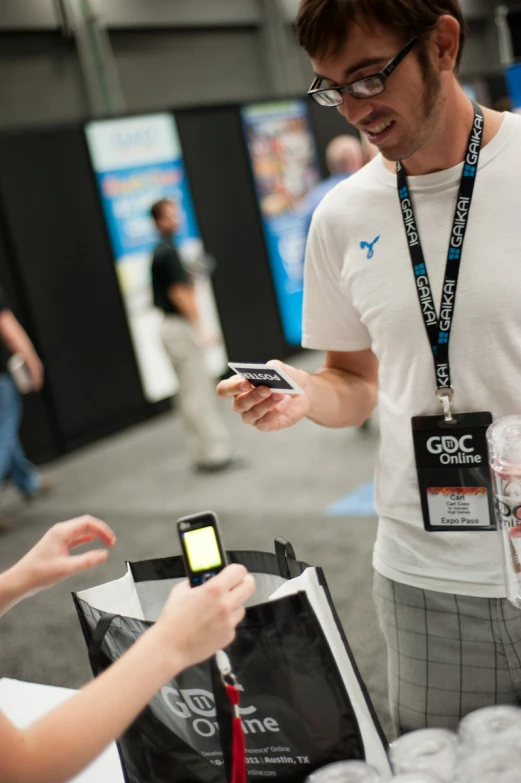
(448, 143)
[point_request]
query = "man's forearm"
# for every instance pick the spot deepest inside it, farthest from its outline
(340, 399)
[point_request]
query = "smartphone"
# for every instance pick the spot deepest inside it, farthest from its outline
(201, 543)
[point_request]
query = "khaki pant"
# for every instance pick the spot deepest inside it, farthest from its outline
(198, 403)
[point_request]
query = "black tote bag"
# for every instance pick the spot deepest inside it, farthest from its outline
(303, 703)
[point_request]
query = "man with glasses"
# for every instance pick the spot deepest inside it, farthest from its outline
(436, 213)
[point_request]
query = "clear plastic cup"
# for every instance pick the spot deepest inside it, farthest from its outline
(491, 726)
(428, 750)
(504, 449)
(345, 772)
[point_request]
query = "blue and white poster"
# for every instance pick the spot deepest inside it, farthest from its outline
(283, 157)
(138, 160)
(513, 79)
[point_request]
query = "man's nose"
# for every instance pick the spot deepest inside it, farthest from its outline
(354, 110)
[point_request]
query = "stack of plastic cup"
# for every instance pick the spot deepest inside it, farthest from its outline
(504, 450)
(491, 726)
(492, 764)
(433, 751)
(490, 745)
(416, 777)
(345, 772)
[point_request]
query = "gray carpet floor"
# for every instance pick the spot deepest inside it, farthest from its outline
(140, 482)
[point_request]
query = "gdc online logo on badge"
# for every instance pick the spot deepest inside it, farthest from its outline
(453, 451)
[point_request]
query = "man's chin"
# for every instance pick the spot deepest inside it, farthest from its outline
(395, 153)
(391, 155)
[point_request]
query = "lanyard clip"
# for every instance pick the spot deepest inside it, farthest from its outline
(445, 397)
(225, 668)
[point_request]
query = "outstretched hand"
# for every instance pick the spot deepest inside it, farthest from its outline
(51, 559)
(265, 409)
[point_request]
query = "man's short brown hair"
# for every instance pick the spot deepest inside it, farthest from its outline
(156, 210)
(323, 25)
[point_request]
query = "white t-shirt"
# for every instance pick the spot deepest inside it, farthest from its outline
(356, 300)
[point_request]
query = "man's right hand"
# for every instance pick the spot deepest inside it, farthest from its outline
(263, 408)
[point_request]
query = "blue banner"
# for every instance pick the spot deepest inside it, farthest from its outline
(126, 198)
(137, 161)
(283, 157)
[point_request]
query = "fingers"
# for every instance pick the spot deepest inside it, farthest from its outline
(243, 403)
(259, 410)
(79, 563)
(271, 420)
(237, 616)
(233, 386)
(233, 586)
(230, 577)
(81, 540)
(240, 594)
(84, 529)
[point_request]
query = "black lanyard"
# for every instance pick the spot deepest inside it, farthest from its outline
(438, 329)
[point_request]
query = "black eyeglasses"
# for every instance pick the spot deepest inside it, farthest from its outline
(361, 88)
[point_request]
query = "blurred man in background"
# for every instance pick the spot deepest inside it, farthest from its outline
(13, 462)
(344, 156)
(174, 295)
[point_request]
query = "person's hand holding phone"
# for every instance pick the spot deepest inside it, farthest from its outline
(196, 622)
(267, 409)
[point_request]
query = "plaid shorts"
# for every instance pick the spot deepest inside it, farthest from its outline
(447, 654)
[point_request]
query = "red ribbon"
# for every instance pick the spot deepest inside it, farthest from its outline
(238, 743)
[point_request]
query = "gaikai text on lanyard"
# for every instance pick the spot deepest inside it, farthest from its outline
(438, 329)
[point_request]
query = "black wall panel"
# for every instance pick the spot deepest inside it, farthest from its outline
(57, 264)
(67, 275)
(221, 181)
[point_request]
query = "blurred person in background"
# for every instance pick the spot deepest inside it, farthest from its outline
(193, 625)
(389, 67)
(344, 156)
(174, 295)
(13, 462)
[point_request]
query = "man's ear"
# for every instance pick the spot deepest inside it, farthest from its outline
(444, 43)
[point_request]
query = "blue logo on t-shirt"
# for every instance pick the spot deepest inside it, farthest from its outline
(369, 246)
